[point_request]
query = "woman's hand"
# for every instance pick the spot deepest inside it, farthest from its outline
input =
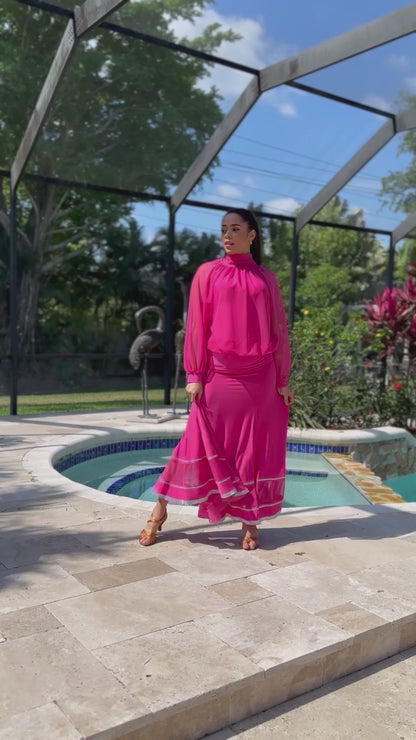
(287, 394)
(194, 390)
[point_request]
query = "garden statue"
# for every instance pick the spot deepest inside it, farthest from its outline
(179, 346)
(180, 341)
(143, 345)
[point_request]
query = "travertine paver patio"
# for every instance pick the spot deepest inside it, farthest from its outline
(376, 703)
(102, 638)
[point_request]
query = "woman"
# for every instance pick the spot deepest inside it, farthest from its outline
(231, 457)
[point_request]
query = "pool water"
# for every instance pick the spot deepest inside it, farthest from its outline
(310, 480)
(404, 485)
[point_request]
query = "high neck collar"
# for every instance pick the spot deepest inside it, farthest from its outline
(239, 259)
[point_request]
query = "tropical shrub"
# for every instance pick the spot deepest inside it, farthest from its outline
(325, 353)
(358, 370)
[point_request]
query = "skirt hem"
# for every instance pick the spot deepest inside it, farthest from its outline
(234, 517)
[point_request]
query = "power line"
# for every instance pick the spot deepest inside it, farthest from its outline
(331, 170)
(296, 154)
(287, 176)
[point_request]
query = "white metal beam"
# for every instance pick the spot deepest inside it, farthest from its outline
(406, 120)
(403, 121)
(382, 136)
(43, 103)
(92, 12)
(401, 22)
(389, 27)
(404, 228)
(85, 17)
(216, 142)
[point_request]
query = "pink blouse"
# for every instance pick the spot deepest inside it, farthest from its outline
(235, 307)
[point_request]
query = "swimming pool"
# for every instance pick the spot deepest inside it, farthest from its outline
(129, 468)
(404, 485)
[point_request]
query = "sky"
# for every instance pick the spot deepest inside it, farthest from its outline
(291, 143)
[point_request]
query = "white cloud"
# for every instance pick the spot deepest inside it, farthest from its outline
(287, 109)
(253, 49)
(410, 83)
(281, 100)
(230, 83)
(377, 101)
(249, 181)
(398, 60)
(282, 205)
(229, 191)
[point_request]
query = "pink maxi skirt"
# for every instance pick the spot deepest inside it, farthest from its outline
(231, 457)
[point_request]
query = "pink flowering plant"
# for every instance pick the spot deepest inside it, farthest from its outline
(390, 322)
(389, 337)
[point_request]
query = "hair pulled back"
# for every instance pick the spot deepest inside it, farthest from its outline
(251, 221)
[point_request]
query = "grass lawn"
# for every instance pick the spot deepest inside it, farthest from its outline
(91, 401)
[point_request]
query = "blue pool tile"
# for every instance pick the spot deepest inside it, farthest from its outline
(168, 443)
(119, 484)
(308, 473)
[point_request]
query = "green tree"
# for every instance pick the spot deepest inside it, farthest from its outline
(128, 114)
(278, 244)
(399, 187)
(399, 190)
(324, 360)
(190, 251)
(335, 266)
(405, 256)
(90, 303)
(338, 266)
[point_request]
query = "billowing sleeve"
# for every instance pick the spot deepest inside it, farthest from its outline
(279, 334)
(197, 325)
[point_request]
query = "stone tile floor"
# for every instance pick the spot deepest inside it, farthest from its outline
(376, 703)
(101, 638)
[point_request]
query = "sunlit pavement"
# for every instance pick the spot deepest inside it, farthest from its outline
(103, 638)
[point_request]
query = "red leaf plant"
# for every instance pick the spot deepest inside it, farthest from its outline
(391, 319)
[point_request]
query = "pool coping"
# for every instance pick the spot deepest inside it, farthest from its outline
(368, 483)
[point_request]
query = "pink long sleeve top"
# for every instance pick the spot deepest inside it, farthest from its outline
(235, 308)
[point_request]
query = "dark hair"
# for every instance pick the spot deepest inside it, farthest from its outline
(250, 220)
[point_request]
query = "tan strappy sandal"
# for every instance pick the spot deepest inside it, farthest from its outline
(250, 541)
(149, 538)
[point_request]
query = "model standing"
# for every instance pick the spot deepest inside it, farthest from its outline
(231, 457)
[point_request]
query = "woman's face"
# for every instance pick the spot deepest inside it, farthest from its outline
(236, 235)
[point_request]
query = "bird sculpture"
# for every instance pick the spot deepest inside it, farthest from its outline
(146, 342)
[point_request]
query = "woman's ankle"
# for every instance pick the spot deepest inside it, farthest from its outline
(159, 509)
